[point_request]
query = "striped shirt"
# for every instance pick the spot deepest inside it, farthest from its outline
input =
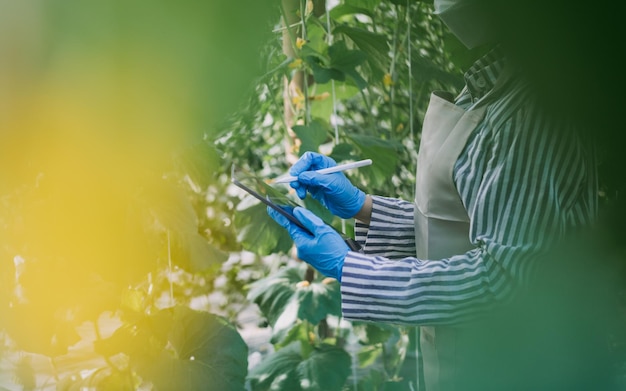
(525, 180)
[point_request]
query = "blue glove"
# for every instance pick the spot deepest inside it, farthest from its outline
(325, 251)
(334, 191)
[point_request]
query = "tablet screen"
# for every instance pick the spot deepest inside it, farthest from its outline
(265, 193)
(275, 199)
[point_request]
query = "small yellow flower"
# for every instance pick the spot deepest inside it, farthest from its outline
(296, 64)
(311, 337)
(300, 42)
(387, 80)
(298, 101)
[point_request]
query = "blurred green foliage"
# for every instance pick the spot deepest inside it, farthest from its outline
(107, 175)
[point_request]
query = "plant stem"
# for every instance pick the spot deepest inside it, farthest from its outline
(309, 274)
(409, 62)
(392, 70)
(282, 117)
(305, 82)
(368, 107)
(289, 29)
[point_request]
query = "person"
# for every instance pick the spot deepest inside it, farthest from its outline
(499, 183)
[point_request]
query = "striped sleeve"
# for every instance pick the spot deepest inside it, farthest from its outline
(391, 232)
(522, 183)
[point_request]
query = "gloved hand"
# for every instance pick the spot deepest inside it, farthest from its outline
(334, 191)
(325, 251)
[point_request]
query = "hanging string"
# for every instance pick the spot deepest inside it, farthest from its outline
(408, 33)
(329, 41)
(409, 22)
(305, 84)
(333, 120)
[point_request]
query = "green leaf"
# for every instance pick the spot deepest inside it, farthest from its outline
(342, 63)
(285, 320)
(284, 298)
(376, 333)
(312, 135)
(375, 46)
(326, 369)
(384, 154)
(200, 161)
(192, 252)
(318, 300)
(460, 55)
(257, 231)
(324, 108)
(277, 371)
(372, 381)
(281, 68)
(347, 61)
(316, 36)
(323, 75)
(311, 56)
(424, 70)
(140, 339)
(346, 9)
(298, 333)
(369, 354)
(342, 151)
(367, 4)
(203, 351)
(318, 209)
(373, 336)
(273, 293)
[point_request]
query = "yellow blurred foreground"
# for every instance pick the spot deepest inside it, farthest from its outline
(96, 97)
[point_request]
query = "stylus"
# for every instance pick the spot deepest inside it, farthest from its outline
(329, 170)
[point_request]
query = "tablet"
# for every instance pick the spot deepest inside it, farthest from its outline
(276, 200)
(266, 194)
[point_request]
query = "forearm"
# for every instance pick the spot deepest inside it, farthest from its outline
(364, 215)
(418, 292)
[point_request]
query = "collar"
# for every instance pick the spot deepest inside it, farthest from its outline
(482, 75)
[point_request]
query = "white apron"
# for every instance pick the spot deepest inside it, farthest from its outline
(442, 222)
